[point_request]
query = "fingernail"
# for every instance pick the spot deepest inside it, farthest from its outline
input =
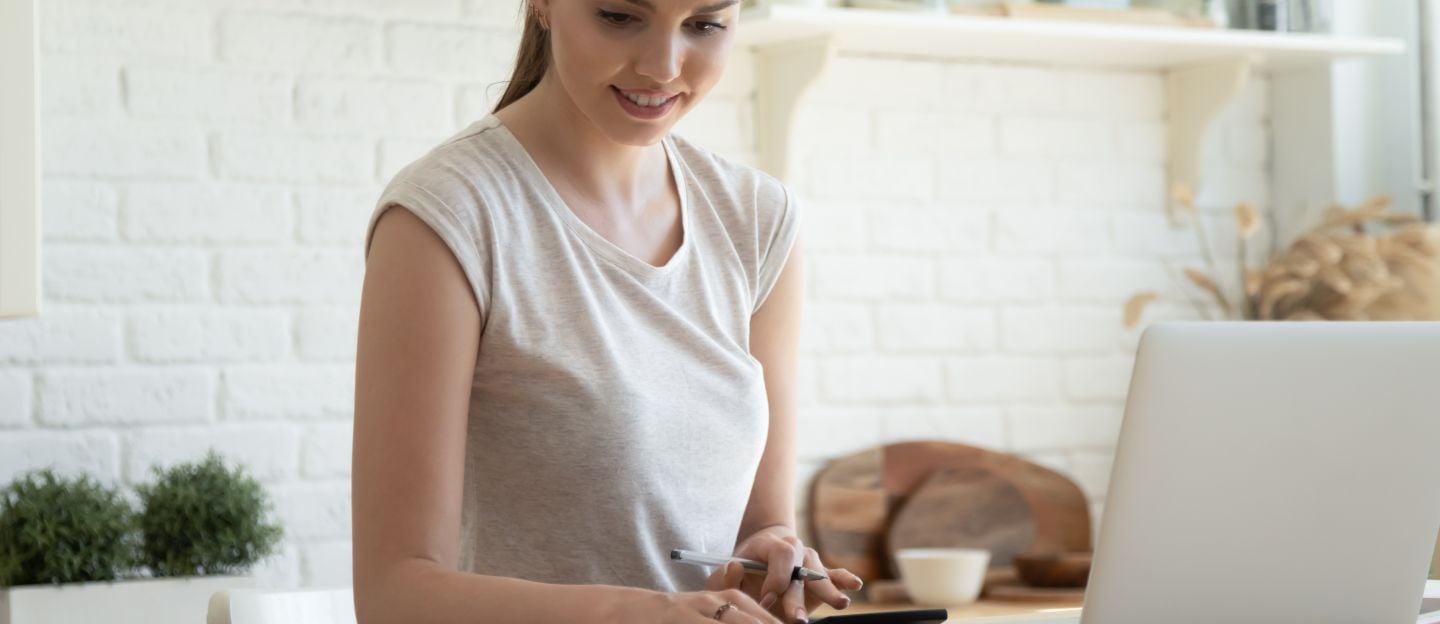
(768, 600)
(844, 601)
(800, 616)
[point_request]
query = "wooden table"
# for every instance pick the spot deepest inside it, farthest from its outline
(974, 613)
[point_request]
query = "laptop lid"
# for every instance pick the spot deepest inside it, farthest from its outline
(1273, 472)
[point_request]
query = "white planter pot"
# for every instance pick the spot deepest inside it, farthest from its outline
(136, 601)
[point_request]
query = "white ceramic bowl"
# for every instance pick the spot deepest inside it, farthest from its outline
(943, 576)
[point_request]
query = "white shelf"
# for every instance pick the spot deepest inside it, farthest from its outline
(1052, 42)
(1205, 68)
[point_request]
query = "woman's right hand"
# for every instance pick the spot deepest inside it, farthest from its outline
(697, 607)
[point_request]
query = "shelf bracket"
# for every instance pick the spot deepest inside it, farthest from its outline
(1195, 96)
(784, 74)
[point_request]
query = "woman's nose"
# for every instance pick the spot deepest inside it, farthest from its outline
(661, 58)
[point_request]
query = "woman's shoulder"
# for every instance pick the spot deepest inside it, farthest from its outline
(740, 185)
(454, 186)
(758, 210)
(454, 169)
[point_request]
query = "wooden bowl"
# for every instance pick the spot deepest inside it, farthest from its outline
(1054, 569)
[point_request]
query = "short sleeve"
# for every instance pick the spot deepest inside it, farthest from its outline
(458, 227)
(776, 234)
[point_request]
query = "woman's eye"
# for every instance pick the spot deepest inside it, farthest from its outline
(625, 19)
(709, 28)
(617, 19)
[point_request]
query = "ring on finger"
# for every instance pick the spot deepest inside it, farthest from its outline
(720, 612)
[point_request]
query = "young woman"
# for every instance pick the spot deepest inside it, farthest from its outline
(577, 349)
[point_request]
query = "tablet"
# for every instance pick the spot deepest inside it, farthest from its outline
(920, 616)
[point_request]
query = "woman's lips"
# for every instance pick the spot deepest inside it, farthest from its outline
(643, 112)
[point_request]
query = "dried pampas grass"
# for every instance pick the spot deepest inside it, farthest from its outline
(1362, 263)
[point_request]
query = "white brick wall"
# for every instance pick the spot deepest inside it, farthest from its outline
(18, 389)
(268, 451)
(984, 224)
(973, 231)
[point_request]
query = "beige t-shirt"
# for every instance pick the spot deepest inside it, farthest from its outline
(615, 411)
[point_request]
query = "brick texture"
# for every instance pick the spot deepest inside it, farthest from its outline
(973, 231)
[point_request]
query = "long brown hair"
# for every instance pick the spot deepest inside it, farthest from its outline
(532, 60)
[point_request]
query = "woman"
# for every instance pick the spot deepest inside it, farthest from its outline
(577, 349)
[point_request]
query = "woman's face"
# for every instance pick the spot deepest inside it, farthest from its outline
(671, 50)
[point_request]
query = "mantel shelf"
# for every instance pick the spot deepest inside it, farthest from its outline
(1073, 43)
(1204, 68)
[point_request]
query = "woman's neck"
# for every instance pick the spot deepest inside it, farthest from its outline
(577, 154)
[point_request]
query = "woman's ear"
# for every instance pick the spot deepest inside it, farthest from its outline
(541, 8)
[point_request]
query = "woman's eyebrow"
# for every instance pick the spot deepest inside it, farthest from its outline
(709, 8)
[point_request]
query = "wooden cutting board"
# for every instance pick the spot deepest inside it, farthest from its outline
(1018, 591)
(1000, 586)
(1006, 586)
(964, 507)
(852, 499)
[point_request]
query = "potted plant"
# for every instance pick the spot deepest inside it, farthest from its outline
(1363, 263)
(74, 550)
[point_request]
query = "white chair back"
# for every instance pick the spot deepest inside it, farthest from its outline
(302, 606)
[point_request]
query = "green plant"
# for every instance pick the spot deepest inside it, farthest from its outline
(201, 519)
(58, 530)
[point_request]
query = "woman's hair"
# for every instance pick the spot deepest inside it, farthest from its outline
(531, 62)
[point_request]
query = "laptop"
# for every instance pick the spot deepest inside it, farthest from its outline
(1272, 472)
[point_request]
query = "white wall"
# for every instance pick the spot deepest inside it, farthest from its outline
(973, 229)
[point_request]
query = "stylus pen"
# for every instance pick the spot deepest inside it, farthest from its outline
(751, 566)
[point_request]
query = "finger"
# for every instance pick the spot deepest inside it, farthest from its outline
(716, 580)
(720, 578)
(845, 579)
(740, 617)
(793, 609)
(752, 585)
(730, 616)
(746, 606)
(734, 575)
(782, 555)
(826, 589)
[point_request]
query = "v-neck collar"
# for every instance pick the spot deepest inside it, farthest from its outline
(594, 240)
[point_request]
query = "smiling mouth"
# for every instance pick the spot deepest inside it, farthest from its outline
(644, 112)
(645, 101)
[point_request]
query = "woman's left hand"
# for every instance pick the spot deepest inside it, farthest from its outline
(792, 601)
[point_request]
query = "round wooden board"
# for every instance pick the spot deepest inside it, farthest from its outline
(965, 507)
(852, 499)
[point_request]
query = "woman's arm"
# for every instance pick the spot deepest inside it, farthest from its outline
(415, 358)
(775, 342)
(767, 530)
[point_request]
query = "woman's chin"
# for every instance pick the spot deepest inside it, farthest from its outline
(638, 134)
